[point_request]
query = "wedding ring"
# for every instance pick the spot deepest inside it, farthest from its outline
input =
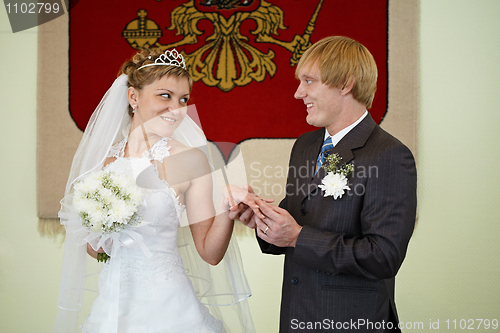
(265, 231)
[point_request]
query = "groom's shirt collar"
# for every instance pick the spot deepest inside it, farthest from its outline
(337, 137)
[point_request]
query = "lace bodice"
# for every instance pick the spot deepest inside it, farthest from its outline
(162, 208)
(158, 151)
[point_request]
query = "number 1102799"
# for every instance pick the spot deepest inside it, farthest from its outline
(33, 8)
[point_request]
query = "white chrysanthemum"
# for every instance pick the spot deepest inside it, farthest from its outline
(128, 186)
(107, 197)
(98, 211)
(96, 226)
(80, 187)
(92, 183)
(122, 181)
(334, 184)
(83, 204)
(100, 208)
(79, 200)
(121, 212)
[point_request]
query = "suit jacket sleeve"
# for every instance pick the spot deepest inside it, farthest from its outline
(270, 248)
(385, 221)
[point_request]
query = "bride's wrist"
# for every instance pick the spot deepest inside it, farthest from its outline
(224, 204)
(227, 196)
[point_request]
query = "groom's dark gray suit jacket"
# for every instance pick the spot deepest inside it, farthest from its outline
(340, 275)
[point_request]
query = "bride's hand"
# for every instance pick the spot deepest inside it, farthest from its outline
(250, 190)
(243, 204)
(93, 253)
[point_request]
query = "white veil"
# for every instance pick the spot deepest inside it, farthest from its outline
(222, 288)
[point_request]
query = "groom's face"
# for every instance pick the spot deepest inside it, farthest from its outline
(323, 103)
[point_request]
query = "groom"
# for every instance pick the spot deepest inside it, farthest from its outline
(342, 252)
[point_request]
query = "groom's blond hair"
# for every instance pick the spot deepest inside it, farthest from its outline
(341, 60)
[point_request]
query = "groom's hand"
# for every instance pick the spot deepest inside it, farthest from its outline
(243, 212)
(278, 227)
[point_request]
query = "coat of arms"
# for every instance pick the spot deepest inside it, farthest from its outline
(226, 59)
(241, 53)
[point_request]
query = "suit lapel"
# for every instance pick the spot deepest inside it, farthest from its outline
(310, 155)
(356, 138)
(307, 159)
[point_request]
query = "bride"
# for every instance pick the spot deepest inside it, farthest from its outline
(156, 277)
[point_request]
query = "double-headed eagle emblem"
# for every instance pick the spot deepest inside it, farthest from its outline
(227, 59)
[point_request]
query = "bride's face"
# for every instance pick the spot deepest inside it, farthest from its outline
(161, 105)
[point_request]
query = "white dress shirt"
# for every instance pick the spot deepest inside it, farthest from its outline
(337, 137)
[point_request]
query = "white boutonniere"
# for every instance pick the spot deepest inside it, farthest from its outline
(335, 182)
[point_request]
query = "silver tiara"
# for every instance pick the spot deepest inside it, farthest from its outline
(169, 58)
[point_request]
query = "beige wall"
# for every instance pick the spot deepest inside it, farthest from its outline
(452, 268)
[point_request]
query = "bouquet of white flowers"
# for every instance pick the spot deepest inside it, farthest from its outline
(107, 202)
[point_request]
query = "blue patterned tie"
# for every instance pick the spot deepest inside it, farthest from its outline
(326, 149)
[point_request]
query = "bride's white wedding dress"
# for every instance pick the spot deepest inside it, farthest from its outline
(154, 294)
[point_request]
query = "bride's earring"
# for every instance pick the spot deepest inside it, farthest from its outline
(133, 108)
